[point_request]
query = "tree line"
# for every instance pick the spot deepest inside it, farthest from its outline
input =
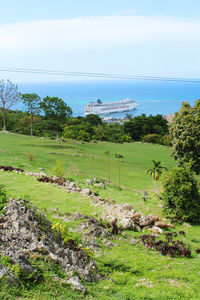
(51, 117)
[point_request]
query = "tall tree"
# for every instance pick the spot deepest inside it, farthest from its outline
(156, 171)
(9, 96)
(185, 132)
(32, 103)
(56, 110)
(107, 153)
(119, 158)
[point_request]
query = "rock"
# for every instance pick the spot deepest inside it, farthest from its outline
(127, 223)
(134, 241)
(74, 281)
(146, 220)
(101, 185)
(95, 179)
(10, 278)
(86, 192)
(161, 224)
(127, 206)
(187, 225)
(156, 230)
(89, 181)
(25, 232)
(41, 168)
(136, 217)
(170, 226)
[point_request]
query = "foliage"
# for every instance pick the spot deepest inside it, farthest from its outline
(168, 247)
(3, 198)
(185, 132)
(30, 156)
(32, 104)
(140, 126)
(58, 169)
(56, 110)
(9, 95)
(181, 195)
(152, 138)
(156, 171)
(67, 235)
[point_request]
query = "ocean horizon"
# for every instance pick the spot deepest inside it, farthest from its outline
(152, 97)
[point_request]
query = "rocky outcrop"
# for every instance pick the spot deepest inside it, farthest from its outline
(24, 231)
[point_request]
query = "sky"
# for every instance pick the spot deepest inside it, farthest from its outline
(134, 37)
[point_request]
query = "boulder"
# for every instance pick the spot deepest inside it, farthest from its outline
(89, 181)
(156, 230)
(127, 206)
(101, 185)
(86, 192)
(161, 224)
(127, 223)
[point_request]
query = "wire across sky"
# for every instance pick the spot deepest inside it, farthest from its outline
(98, 75)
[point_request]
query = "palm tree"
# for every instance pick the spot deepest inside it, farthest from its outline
(156, 171)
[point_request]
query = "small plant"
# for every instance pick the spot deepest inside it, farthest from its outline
(3, 198)
(156, 171)
(30, 156)
(167, 247)
(58, 169)
(70, 238)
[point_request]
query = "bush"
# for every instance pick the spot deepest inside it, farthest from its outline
(152, 138)
(58, 169)
(181, 196)
(3, 198)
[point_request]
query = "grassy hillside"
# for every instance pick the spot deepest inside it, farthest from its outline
(132, 271)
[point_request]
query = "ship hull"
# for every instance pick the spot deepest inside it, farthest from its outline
(109, 108)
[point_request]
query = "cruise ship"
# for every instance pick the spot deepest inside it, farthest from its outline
(99, 108)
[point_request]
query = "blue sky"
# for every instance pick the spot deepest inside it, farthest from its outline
(143, 37)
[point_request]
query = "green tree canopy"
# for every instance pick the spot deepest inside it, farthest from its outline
(32, 103)
(185, 132)
(181, 195)
(56, 110)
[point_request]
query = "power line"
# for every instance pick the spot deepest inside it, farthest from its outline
(99, 75)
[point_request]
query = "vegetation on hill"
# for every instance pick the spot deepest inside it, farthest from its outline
(185, 132)
(131, 269)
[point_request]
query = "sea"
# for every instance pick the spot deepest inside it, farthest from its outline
(152, 97)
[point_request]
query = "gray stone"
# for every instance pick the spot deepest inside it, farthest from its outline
(89, 181)
(101, 185)
(127, 223)
(86, 192)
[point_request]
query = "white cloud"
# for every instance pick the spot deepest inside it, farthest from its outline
(94, 33)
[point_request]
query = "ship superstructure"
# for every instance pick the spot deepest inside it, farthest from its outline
(99, 108)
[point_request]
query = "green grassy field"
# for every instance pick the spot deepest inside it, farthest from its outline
(132, 271)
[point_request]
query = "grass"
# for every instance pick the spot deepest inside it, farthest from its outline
(132, 271)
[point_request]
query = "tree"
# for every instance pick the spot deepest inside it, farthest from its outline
(156, 171)
(181, 195)
(56, 110)
(32, 103)
(107, 153)
(185, 132)
(8, 97)
(119, 158)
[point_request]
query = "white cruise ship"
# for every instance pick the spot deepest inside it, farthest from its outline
(99, 108)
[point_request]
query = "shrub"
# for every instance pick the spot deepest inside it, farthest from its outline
(58, 169)
(152, 138)
(180, 194)
(30, 156)
(3, 198)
